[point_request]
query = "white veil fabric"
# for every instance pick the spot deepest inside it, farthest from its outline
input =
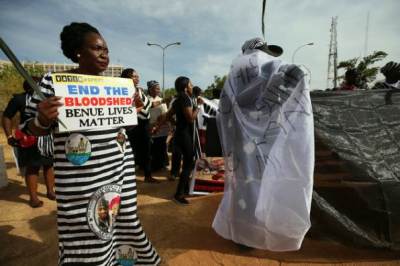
(265, 123)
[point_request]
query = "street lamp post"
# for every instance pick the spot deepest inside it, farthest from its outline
(298, 48)
(163, 59)
(309, 72)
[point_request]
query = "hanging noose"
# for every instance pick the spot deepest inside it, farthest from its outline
(262, 18)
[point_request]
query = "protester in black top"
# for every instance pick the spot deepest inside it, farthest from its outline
(29, 157)
(186, 115)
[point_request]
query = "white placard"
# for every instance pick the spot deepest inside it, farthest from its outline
(92, 102)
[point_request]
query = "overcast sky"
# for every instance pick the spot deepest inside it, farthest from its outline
(211, 32)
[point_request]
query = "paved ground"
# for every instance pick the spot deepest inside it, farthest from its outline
(181, 234)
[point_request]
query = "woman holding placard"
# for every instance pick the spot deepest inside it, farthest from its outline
(94, 171)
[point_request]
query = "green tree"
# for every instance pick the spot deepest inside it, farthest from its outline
(217, 84)
(11, 82)
(367, 73)
(169, 94)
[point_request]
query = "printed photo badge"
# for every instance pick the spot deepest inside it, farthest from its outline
(121, 139)
(78, 149)
(126, 255)
(103, 209)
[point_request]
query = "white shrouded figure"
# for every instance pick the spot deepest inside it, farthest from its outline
(265, 124)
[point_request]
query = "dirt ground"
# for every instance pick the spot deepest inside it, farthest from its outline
(181, 234)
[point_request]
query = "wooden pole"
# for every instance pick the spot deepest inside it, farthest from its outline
(3, 169)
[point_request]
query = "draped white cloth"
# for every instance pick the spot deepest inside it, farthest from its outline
(265, 124)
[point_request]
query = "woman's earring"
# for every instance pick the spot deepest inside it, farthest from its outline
(78, 55)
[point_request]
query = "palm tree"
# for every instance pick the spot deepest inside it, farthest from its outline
(217, 84)
(363, 67)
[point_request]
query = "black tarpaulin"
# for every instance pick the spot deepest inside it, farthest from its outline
(357, 174)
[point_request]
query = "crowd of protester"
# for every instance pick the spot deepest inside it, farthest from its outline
(161, 127)
(106, 180)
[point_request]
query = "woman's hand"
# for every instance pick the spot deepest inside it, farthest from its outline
(154, 129)
(199, 101)
(48, 110)
(155, 104)
(12, 141)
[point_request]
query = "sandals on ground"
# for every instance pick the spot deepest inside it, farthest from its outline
(36, 204)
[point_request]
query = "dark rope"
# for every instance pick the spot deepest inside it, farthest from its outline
(7, 51)
(21, 70)
(262, 18)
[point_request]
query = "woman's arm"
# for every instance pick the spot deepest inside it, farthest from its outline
(8, 114)
(138, 102)
(41, 113)
(7, 126)
(191, 112)
(146, 104)
(47, 114)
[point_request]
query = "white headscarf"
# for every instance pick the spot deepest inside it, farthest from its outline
(265, 124)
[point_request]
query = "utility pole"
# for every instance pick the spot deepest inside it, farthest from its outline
(163, 60)
(332, 59)
(298, 48)
(366, 36)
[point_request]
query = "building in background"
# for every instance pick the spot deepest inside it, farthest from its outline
(112, 70)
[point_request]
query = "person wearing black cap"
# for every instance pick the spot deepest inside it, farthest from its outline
(391, 71)
(153, 90)
(260, 44)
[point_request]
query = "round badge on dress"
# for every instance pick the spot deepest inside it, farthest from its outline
(103, 209)
(126, 255)
(77, 149)
(121, 140)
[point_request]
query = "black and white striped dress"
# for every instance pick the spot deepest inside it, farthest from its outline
(96, 198)
(144, 114)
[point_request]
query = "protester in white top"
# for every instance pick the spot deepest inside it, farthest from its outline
(159, 156)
